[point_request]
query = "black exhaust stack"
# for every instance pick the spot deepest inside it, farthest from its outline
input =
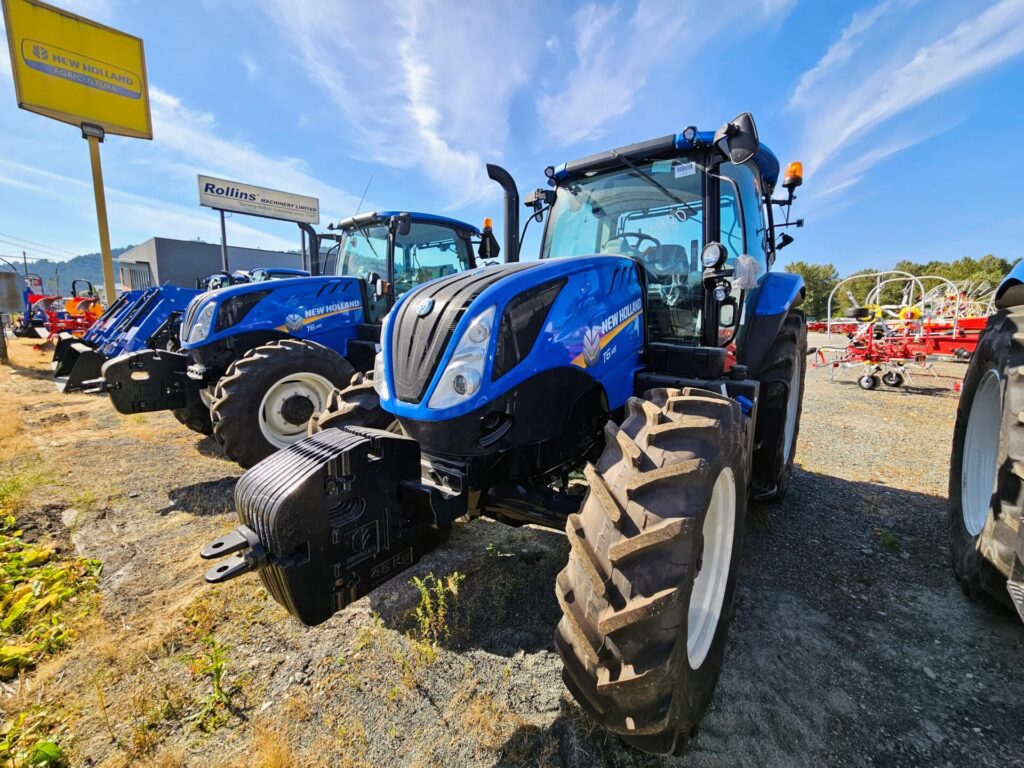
(508, 184)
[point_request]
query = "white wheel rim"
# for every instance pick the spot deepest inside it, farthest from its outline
(709, 586)
(275, 427)
(791, 408)
(981, 452)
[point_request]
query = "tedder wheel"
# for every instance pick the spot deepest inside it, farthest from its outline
(355, 405)
(196, 413)
(986, 472)
(892, 379)
(648, 591)
(778, 409)
(268, 396)
(868, 381)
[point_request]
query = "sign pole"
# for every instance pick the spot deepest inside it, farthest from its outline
(223, 243)
(94, 135)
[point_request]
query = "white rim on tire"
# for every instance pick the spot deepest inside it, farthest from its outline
(981, 452)
(709, 587)
(277, 429)
(791, 408)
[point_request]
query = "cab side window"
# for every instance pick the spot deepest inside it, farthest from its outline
(749, 183)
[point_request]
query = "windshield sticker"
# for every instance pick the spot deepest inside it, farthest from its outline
(685, 169)
(661, 166)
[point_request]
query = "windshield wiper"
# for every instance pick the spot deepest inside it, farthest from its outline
(652, 181)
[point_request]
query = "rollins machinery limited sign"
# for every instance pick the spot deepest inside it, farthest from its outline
(257, 201)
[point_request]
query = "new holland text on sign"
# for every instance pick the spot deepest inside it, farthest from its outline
(75, 70)
(257, 201)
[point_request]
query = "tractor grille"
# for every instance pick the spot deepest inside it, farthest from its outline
(419, 342)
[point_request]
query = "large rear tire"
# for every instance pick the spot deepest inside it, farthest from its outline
(987, 462)
(648, 592)
(196, 413)
(265, 400)
(778, 409)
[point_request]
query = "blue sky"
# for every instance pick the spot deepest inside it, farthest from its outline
(907, 114)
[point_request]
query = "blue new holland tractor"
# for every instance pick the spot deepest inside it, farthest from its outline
(986, 472)
(258, 360)
(634, 386)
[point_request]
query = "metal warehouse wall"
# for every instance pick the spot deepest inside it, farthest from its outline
(180, 262)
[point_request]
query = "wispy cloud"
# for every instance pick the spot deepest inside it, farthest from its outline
(134, 217)
(420, 85)
(616, 51)
(251, 67)
(844, 103)
(841, 50)
(191, 141)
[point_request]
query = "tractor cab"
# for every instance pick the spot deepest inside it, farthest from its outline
(697, 220)
(395, 251)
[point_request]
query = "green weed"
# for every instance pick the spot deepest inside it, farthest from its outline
(35, 588)
(888, 539)
(432, 612)
(23, 744)
(215, 706)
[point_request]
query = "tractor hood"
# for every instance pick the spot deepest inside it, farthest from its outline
(458, 343)
(292, 307)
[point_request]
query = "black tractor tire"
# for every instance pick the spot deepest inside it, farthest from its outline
(982, 560)
(237, 399)
(772, 467)
(196, 413)
(637, 546)
(357, 405)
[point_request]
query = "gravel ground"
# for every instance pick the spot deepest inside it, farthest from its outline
(852, 644)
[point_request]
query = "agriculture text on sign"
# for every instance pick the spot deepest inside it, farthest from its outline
(76, 70)
(257, 201)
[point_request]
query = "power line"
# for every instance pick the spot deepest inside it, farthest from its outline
(41, 245)
(35, 249)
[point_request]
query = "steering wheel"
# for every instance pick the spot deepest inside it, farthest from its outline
(640, 237)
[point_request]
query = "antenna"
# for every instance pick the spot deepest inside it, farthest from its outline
(361, 199)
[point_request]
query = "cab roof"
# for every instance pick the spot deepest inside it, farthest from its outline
(662, 147)
(373, 217)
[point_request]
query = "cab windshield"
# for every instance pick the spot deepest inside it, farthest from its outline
(427, 251)
(655, 212)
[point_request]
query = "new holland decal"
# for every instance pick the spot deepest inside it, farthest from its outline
(295, 321)
(597, 337)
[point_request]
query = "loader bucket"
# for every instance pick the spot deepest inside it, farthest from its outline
(64, 342)
(81, 363)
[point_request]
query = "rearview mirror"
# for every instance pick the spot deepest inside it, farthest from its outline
(737, 140)
(403, 223)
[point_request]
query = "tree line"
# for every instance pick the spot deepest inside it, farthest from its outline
(820, 279)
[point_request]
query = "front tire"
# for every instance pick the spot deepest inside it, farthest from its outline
(266, 399)
(196, 413)
(779, 408)
(987, 462)
(357, 405)
(648, 591)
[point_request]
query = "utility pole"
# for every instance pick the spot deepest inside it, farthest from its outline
(24, 258)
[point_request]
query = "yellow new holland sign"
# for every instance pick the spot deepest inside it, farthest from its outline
(75, 70)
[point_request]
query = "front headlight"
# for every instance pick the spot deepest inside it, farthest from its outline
(464, 374)
(380, 382)
(204, 321)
